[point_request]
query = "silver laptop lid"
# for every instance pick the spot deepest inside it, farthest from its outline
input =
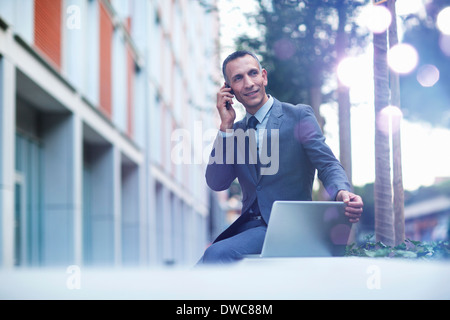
(306, 229)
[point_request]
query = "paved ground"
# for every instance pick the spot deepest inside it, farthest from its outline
(302, 278)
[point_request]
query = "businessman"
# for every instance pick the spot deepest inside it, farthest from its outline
(274, 152)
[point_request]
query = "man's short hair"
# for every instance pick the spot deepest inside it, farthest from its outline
(235, 55)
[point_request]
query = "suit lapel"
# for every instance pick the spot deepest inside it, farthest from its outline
(275, 118)
(242, 150)
(273, 123)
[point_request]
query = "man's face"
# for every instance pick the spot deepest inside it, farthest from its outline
(248, 82)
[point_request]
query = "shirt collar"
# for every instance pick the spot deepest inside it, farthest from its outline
(262, 112)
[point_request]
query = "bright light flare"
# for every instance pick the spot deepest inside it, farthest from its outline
(403, 58)
(376, 18)
(406, 7)
(443, 21)
(349, 71)
(389, 119)
(428, 75)
(392, 111)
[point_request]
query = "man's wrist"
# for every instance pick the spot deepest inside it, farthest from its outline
(226, 134)
(338, 194)
(225, 127)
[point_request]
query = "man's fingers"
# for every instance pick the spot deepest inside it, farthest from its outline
(352, 204)
(354, 210)
(353, 218)
(226, 96)
(355, 201)
(345, 197)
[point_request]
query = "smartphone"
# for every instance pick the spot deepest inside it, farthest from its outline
(228, 105)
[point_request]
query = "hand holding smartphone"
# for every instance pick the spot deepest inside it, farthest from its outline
(228, 105)
(227, 114)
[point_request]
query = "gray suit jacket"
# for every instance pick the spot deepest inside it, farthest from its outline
(293, 133)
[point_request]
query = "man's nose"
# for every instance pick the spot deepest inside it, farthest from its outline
(248, 82)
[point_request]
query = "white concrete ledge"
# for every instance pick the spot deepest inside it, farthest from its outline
(291, 279)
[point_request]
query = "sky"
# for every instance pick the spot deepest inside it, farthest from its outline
(425, 155)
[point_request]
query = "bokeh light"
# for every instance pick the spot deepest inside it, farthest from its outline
(444, 44)
(339, 234)
(428, 75)
(284, 49)
(403, 58)
(443, 21)
(348, 71)
(376, 18)
(389, 119)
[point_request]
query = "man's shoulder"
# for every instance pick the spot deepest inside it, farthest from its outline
(295, 109)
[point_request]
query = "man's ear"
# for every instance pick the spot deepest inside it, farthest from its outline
(264, 75)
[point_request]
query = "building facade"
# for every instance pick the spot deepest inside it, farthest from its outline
(92, 93)
(428, 220)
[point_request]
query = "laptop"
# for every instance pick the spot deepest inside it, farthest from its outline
(306, 229)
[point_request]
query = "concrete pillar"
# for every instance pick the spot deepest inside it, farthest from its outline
(130, 215)
(61, 171)
(117, 204)
(99, 209)
(7, 160)
(78, 189)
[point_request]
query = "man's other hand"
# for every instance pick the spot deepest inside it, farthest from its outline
(354, 203)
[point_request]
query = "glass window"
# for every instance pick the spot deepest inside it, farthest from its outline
(28, 202)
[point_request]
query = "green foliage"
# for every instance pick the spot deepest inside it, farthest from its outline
(409, 249)
(300, 43)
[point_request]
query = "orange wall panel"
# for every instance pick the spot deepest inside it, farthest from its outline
(130, 100)
(48, 29)
(106, 34)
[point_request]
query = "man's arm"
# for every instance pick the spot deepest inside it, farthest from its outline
(330, 171)
(220, 174)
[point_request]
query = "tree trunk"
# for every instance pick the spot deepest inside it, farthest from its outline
(345, 143)
(384, 229)
(345, 146)
(315, 98)
(399, 215)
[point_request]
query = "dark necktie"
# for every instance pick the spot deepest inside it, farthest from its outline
(251, 124)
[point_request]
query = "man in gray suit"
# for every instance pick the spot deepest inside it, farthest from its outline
(292, 137)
